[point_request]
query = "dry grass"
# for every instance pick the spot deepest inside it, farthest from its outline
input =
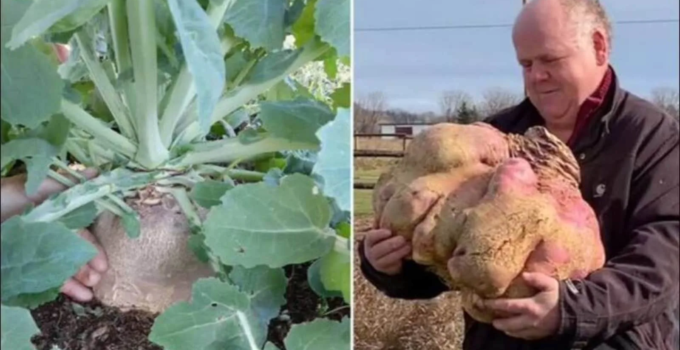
(381, 323)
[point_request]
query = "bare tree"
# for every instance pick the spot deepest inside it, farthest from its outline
(367, 112)
(667, 99)
(451, 101)
(497, 99)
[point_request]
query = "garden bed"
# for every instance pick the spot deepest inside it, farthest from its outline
(93, 326)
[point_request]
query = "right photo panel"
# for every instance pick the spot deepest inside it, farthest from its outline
(516, 175)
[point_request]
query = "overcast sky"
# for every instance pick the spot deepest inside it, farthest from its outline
(412, 68)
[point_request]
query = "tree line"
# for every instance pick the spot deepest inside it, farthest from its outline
(457, 106)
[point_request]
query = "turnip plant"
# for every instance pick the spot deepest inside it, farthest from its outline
(220, 161)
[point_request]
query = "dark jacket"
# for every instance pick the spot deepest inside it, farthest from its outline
(629, 159)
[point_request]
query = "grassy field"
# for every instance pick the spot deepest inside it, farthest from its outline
(381, 323)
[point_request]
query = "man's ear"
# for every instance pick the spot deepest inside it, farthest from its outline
(601, 46)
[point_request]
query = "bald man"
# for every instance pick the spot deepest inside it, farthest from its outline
(628, 152)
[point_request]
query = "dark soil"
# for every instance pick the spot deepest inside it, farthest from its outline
(303, 305)
(92, 326)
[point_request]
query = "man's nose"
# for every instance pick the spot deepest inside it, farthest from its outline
(537, 73)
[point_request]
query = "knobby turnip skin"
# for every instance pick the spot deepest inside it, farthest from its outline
(155, 270)
(480, 207)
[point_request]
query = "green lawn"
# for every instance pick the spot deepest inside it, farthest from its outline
(362, 203)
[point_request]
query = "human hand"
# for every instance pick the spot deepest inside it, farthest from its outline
(14, 201)
(531, 318)
(386, 252)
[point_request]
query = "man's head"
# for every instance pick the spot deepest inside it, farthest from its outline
(563, 47)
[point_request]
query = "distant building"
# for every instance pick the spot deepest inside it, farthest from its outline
(411, 129)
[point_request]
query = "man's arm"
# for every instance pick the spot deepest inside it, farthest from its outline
(641, 282)
(414, 282)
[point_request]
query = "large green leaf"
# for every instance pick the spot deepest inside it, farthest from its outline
(319, 334)
(272, 65)
(296, 120)
(33, 300)
(218, 317)
(31, 87)
(201, 47)
(303, 28)
(342, 96)
(17, 327)
(335, 273)
(42, 14)
(335, 159)
(81, 16)
(208, 193)
(258, 224)
(259, 22)
(36, 153)
(332, 24)
(39, 256)
(315, 282)
(265, 287)
(81, 217)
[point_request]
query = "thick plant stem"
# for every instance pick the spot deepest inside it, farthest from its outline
(97, 129)
(142, 27)
(121, 45)
(103, 84)
(232, 149)
(183, 89)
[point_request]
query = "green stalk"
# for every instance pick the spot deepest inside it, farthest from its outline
(73, 198)
(97, 129)
(121, 45)
(78, 152)
(226, 151)
(183, 88)
(184, 203)
(142, 26)
(248, 92)
(116, 201)
(103, 84)
(236, 174)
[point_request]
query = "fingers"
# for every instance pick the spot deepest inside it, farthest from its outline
(76, 291)
(87, 276)
(375, 236)
(100, 262)
(387, 246)
(386, 252)
(540, 281)
(395, 257)
(512, 306)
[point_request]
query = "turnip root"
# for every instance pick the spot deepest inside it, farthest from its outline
(480, 207)
(155, 270)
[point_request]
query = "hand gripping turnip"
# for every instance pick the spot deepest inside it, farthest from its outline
(480, 207)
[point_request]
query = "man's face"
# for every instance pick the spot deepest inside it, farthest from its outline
(559, 72)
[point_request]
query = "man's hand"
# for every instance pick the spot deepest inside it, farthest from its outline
(533, 318)
(15, 200)
(386, 252)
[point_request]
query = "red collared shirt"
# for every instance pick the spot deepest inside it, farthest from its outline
(590, 105)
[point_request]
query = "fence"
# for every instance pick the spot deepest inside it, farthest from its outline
(378, 153)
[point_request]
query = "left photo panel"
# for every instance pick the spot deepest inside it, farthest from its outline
(176, 174)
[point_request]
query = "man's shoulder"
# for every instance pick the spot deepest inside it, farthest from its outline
(504, 119)
(642, 116)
